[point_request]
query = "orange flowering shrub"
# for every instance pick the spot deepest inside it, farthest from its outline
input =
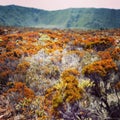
(116, 54)
(70, 71)
(53, 46)
(10, 46)
(4, 76)
(78, 42)
(77, 52)
(22, 67)
(104, 55)
(99, 44)
(4, 41)
(66, 91)
(102, 67)
(21, 98)
(22, 90)
(18, 53)
(72, 92)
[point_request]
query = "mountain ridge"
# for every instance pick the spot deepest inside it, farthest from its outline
(83, 18)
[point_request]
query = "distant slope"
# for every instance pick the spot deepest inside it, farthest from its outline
(90, 18)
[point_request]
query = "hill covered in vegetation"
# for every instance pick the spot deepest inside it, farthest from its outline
(84, 18)
(52, 74)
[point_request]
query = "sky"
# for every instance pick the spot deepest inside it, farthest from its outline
(63, 4)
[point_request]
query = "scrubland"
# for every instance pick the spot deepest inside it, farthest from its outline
(53, 74)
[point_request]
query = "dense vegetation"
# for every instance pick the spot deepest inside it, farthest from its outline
(84, 18)
(52, 74)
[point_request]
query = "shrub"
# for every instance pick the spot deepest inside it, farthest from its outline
(22, 90)
(116, 54)
(99, 44)
(67, 91)
(104, 55)
(102, 67)
(23, 66)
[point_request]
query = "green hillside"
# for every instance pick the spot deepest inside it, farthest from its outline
(90, 18)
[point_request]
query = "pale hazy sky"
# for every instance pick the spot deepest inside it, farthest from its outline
(62, 4)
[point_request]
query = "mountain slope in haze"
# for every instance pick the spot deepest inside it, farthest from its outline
(90, 18)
